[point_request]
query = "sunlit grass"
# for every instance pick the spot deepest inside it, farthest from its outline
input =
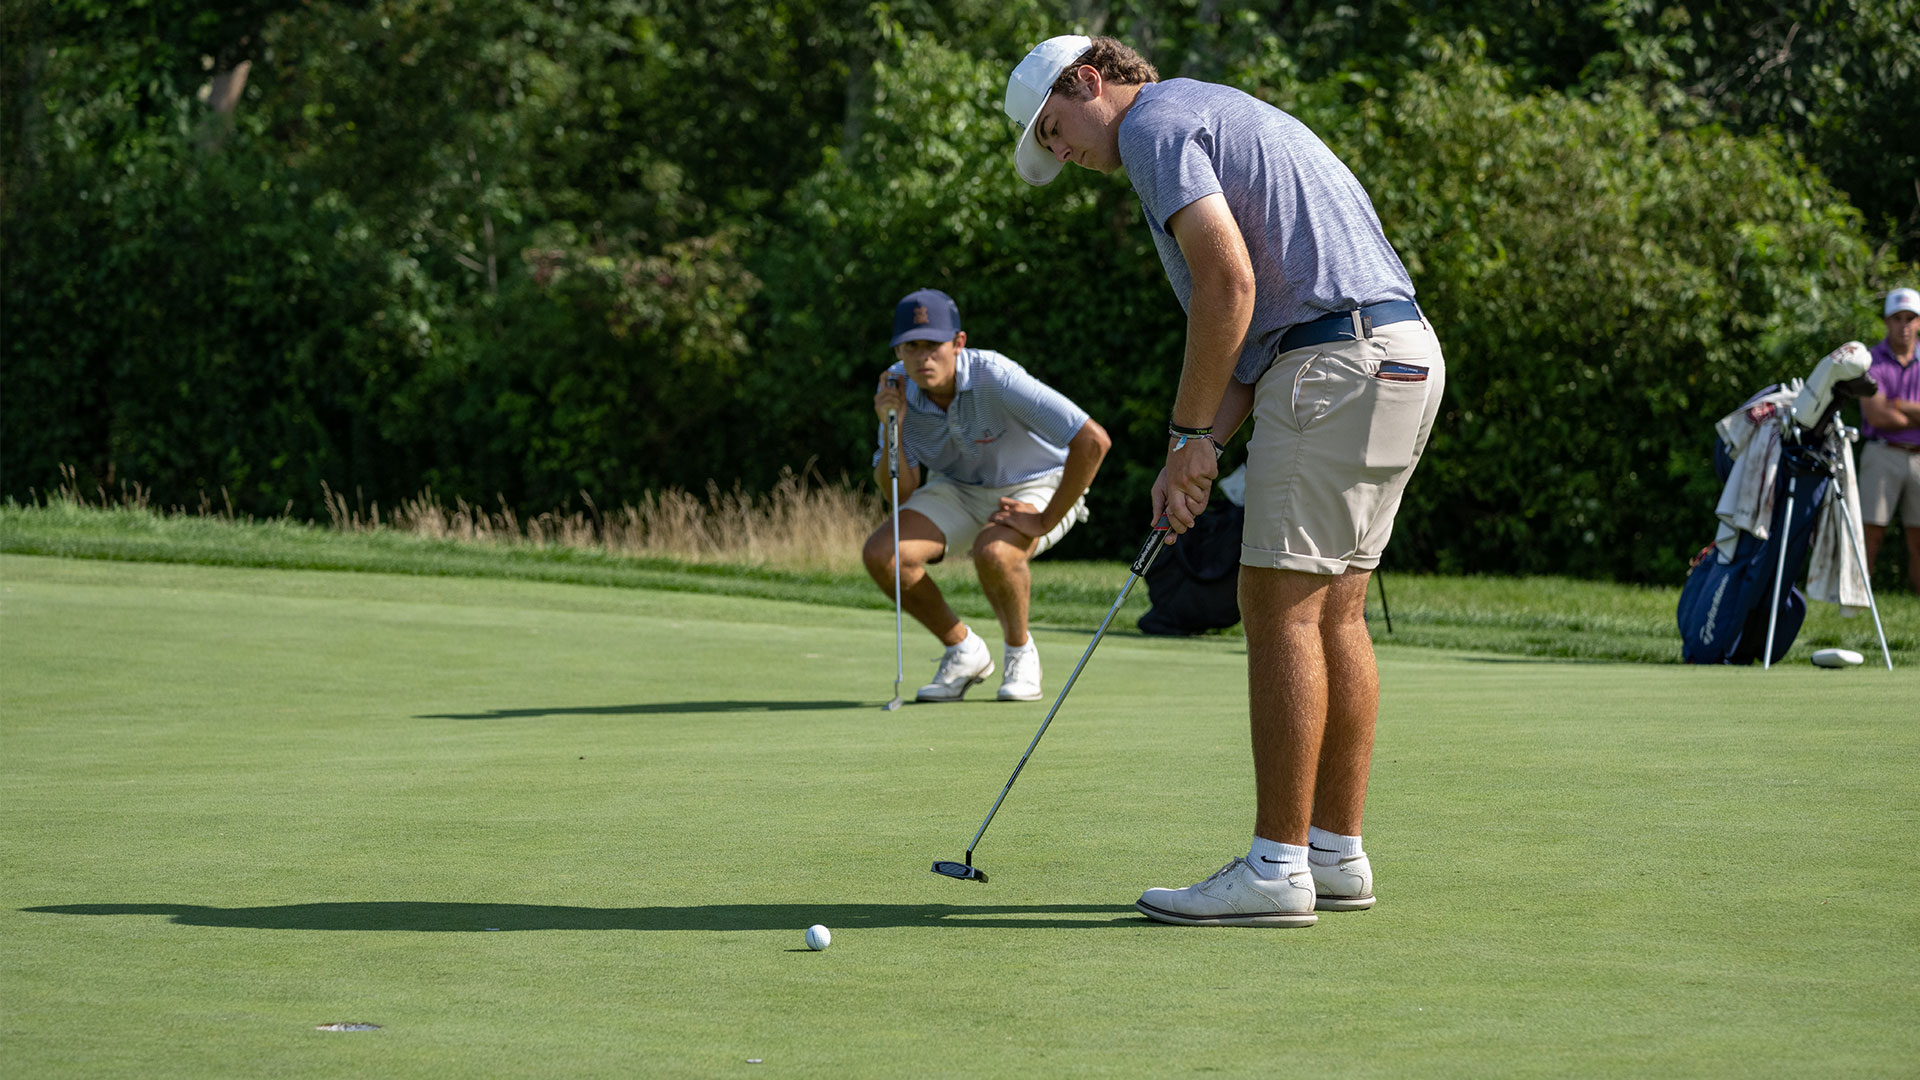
(801, 542)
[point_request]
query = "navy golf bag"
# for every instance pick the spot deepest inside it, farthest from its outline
(1724, 607)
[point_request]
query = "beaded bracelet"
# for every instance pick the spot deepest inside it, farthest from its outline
(1183, 440)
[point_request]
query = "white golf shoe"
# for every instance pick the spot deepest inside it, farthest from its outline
(961, 666)
(1020, 677)
(1235, 896)
(1344, 886)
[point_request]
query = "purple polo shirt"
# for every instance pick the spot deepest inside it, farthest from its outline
(1894, 381)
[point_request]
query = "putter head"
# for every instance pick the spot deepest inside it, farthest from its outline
(892, 705)
(961, 871)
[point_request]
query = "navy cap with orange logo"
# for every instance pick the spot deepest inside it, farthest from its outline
(925, 315)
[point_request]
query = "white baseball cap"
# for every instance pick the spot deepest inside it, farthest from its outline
(1902, 300)
(1027, 91)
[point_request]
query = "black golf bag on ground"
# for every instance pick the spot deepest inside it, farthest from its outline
(1735, 603)
(1195, 586)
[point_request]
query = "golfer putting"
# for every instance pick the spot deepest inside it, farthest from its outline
(1300, 315)
(1008, 461)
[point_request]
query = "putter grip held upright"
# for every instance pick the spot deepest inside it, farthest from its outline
(1155, 541)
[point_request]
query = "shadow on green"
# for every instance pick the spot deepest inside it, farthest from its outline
(469, 918)
(652, 708)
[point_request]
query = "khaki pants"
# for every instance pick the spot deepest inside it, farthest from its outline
(1889, 483)
(960, 511)
(1338, 429)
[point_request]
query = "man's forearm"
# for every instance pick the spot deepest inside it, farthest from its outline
(1084, 455)
(909, 479)
(1219, 310)
(1217, 322)
(1236, 404)
(1890, 414)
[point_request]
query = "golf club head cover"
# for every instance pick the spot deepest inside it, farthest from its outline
(1836, 369)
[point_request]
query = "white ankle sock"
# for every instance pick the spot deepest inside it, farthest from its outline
(1328, 848)
(1271, 859)
(972, 643)
(1028, 647)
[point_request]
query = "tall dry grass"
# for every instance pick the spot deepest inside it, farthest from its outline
(801, 523)
(804, 522)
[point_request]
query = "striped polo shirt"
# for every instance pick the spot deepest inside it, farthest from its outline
(1004, 426)
(1310, 229)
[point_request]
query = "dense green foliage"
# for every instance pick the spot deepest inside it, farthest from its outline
(529, 250)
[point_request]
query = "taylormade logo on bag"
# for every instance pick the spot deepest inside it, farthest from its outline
(1713, 612)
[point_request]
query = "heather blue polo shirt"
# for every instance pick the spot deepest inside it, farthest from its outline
(1316, 243)
(1899, 383)
(1004, 426)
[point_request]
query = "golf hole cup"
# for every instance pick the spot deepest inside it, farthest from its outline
(818, 937)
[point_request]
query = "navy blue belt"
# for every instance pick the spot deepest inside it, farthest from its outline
(1346, 325)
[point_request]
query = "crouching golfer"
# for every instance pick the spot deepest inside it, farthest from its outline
(1008, 458)
(1300, 315)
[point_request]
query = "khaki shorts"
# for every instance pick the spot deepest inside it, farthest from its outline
(1889, 481)
(1335, 438)
(960, 511)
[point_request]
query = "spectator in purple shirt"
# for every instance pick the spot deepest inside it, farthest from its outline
(1890, 460)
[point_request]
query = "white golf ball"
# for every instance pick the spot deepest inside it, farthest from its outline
(818, 937)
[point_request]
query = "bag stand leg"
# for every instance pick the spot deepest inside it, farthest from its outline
(1780, 572)
(1858, 548)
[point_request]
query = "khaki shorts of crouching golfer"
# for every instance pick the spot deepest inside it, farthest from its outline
(1889, 480)
(1337, 431)
(960, 511)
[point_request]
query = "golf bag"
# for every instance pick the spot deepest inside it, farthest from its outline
(1735, 598)
(1196, 586)
(1725, 606)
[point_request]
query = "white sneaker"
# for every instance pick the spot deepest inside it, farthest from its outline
(1235, 896)
(1344, 886)
(961, 666)
(1020, 681)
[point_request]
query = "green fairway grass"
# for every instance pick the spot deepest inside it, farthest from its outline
(536, 828)
(1534, 616)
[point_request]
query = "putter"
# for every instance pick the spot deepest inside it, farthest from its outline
(966, 871)
(892, 441)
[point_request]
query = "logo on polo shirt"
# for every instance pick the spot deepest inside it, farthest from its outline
(920, 316)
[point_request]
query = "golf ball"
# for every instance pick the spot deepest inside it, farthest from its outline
(818, 937)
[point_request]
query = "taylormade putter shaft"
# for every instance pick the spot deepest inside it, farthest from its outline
(892, 441)
(1148, 552)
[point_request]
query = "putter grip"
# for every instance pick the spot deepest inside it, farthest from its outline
(1148, 550)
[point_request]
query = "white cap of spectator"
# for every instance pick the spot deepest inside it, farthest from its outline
(1902, 300)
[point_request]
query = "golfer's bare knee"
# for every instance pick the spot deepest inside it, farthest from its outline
(1283, 600)
(1346, 600)
(878, 554)
(997, 557)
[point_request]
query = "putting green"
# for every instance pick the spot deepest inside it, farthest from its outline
(548, 829)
